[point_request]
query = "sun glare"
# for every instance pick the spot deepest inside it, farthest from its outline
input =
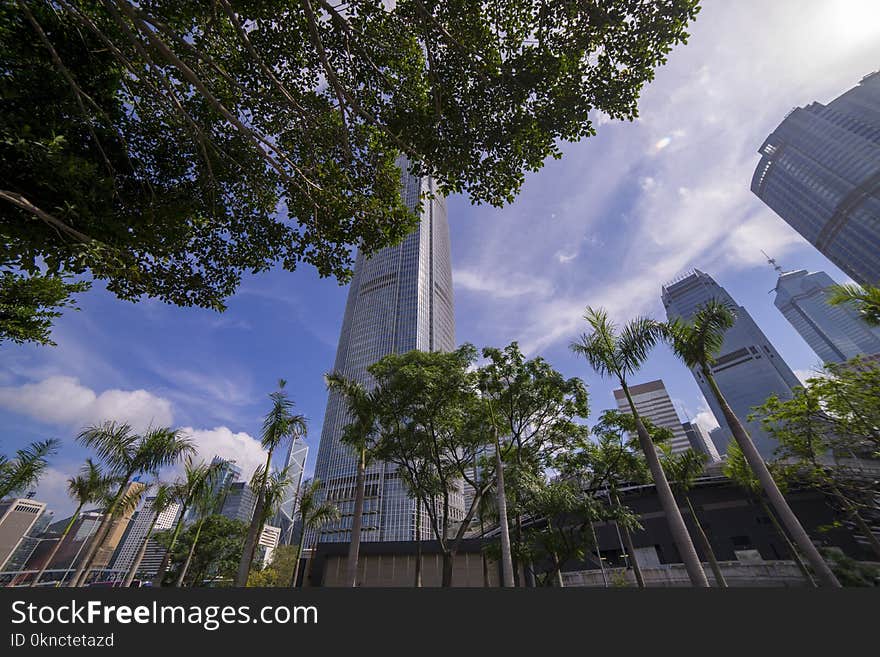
(855, 21)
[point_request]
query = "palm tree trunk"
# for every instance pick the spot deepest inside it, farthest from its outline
(253, 535)
(166, 558)
(294, 580)
(598, 553)
(506, 559)
(777, 501)
(82, 571)
(308, 573)
(673, 514)
(192, 548)
(707, 547)
(356, 521)
(57, 545)
(791, 548)
(631, 550)
(129, 577)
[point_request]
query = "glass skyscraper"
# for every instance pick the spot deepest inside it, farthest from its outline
(654, 403)
(748, 368)
(835, 333)
(820, 172)
(297, 452)
(400, 299)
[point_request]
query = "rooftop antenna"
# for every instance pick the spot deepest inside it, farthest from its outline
(772, 263)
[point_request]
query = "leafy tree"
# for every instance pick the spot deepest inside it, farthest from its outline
(168, 147)
(218, 542)
(26, 468)
(620, 354)
(314, 513)
(533, 409)
(29, 304)
(90, 485)
(279, 425)
(432, 427)
(360, 435)
(206, 504)
(279, 572)
(866, 301)
(697, 343)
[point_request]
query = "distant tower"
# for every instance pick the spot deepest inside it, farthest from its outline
(820, 172)
(748, 369)
(653, 402)
(297, 453)
(700, 440)
(835, 333)
(136, 533)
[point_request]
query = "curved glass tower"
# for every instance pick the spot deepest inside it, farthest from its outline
(400, 299)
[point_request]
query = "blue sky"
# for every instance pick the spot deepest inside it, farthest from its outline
(619, 215)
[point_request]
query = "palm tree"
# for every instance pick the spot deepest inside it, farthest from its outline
(866, 301)
(684, 468)
(197, 476)
(620, 354)
(206, 502)
(125, 454)
(25, 469)
(90, 485)
(162, 499)
(279, 424)
(313, 515)
(697, 343)
(357, 434)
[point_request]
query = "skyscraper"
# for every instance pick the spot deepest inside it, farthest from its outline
(227, 474)
(700, 440)
(297, 452)
(835, 333)
(748, 369)
(17, 517)
(136, 533)
(820, 172)
(240, 502)
(653, 402)
(400, 299)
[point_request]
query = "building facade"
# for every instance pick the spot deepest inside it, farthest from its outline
(400, 299)
(136, 534)
(652, 401)
(820, 172)
(748, 368)
(700, 440)
(295, 462)
(17, 517)
(240, 503)
(835, 333)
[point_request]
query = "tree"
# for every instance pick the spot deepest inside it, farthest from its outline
(697, 343)
(280, 424)
(865, 300)
(683, 470)
(124, 454)
(314, 513)
(26, 468)
(432, 426)
(29, 304)
(206, 504)
(808, 452)
(163, 498)
(216, 552)
(168, 147)
(279, 572)
(90, 485)
(620, 354)
(533, 408)
(359, 434)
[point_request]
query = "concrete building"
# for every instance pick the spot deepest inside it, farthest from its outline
(835, 333)
(400, 299)
(267, 544)
(136, 534)
(653, 402)
(17, 517)
(820, 172)
(748, 368)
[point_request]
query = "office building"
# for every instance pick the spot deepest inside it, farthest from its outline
(700, 441)
(653, 403)
(400, 299)
(267, 544)
(748, 368)
(240, 503)
(17, 518)
(295, 462)
(136, 534)
(820, 172)
(835, 333)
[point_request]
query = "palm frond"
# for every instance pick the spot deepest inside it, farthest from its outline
(865, 300)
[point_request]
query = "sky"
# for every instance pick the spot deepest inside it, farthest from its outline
(620, 214)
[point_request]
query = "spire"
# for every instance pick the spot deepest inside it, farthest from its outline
(772, 263)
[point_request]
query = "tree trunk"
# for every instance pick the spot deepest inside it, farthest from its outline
(418, 582)
(673, 514)
(294, 580)
(598, 553)
(57, 545)
(82, 571)
(129, 577)
(308, 573)
(506, 559)
(853, 513)
(777, 501)
(356, 521)
(192, 549)
(448, 557)
(253, 535)
(631, 551)
(707, 547)
(791, 548)
(166, 558)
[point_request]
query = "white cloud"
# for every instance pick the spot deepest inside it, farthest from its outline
(500, 287)
(240, 447)
(63, 400)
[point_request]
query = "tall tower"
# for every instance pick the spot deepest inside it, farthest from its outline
(835, 333)
(400, 299)
(653, 402)
(297, 452)
(748, 368)
(820, 172)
